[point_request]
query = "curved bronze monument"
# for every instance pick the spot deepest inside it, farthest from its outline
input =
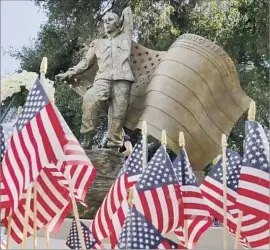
(193, 87)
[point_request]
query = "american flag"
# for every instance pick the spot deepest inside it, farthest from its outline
(117, 223)
(267, 132)
(127, 177)
(40, 139)
(35, 141)
(157, 194)
(139, 233)
(78, 166)
(73, 240)
(5, 134)
(48, 191)
(253, 231)
(253, 190)
(10, 116)
(196, 213)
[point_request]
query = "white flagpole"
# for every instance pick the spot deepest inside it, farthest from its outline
(163, 139)
(224, 166)
(144, 144)
(182, 144)
(251, 117)
(43, 72)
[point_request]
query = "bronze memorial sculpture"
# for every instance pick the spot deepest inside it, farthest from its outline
(113, 79)
(193, 87)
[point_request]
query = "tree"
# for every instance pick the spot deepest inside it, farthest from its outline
(239, 26)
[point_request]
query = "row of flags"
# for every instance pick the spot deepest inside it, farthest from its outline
(144, 205)
(40, 149)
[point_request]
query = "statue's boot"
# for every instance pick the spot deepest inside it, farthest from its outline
(87, 142)
(115, 149)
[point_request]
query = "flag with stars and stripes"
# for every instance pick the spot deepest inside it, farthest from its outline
(48, 191)
(254, 231)
(73, 240)
(39, 140)
(127, 177)
(5, 135)
(117, 223)
(139, 233)
(196, 213)
(10, 116)
(267, 133)
(253, 190)
(157, 194)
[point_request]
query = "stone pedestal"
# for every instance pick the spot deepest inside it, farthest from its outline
(108, 164)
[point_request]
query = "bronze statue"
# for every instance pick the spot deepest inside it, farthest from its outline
(193, 87)
(113, 79)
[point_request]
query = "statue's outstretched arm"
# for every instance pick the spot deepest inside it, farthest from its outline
(85, 63)
(127, 21)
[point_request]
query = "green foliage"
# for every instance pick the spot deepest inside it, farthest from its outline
(241, 28)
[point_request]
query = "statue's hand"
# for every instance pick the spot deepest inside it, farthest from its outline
(62, 76)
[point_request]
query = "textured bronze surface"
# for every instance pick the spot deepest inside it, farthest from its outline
(193, 87)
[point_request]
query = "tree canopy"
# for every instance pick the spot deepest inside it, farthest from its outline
(239, 26)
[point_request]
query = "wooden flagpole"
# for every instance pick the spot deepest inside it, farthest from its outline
(251, 117)
(76, 213)
(182, 144)
(144, 144)
(224, 166)
(9, 230)
(26, 215)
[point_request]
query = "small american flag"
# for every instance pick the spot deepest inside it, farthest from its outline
(253, 191)
(127, 177)
(48, 191)
(139, 233)
(267, 132)
(73, 240)
(40, 139)
(157, 194)
(117, 223)
(11, 115)
(79, 167)
(254, 231)
(196, 213)
(33, 144)
(5, 134)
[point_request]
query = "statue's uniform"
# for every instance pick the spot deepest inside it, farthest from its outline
(112, 82)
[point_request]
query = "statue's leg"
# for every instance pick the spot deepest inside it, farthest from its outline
(99, 92)
(117, 112)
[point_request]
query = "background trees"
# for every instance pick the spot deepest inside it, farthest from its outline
(239, 26)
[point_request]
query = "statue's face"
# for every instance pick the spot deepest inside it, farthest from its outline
(111, 21)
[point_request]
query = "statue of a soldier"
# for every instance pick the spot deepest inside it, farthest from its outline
(113, 79)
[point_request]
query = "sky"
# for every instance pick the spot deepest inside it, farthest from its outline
(20, 22)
